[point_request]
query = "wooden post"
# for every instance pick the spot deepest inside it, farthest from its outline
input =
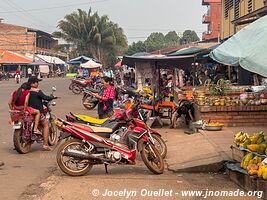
(229, 72)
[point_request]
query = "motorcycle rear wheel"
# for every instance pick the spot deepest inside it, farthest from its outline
(62, 165)
(20, 146)
(88, 103)
(76, 89)
(152, 158)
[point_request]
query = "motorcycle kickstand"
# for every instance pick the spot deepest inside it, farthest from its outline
(106, 167)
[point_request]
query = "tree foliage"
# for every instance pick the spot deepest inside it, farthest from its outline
(157, 41)
(189, 36)
(93, 35)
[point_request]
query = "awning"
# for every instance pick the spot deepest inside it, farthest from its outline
(91, 64)
(79, 60)
(8, 57)
(247, 48)
(118, 64)
(188, 51)
(167, 61)
(38, 63)
(51, 59)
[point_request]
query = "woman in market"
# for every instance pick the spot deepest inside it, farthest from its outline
(106, 98)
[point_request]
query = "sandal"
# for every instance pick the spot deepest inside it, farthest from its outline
(37, 132)
(47, 148)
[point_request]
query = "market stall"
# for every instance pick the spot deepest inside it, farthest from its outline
(249, 166)
(234, 105)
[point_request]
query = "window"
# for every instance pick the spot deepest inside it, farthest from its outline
(249, 6)
(237, 7)
(228, 4)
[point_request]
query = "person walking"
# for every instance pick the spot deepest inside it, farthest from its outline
(29, 71)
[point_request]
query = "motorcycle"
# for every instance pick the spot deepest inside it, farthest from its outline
(23, 123)
(88, 100)
(78, 84)
(116, 123)
(83, 147)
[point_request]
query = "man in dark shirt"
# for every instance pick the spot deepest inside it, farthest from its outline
(35, 101)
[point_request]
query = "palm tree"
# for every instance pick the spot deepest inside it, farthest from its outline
(92, 34)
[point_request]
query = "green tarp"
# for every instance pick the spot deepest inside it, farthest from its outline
(247, 48)
(188, 51)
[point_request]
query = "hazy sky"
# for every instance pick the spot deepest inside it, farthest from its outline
(138, 18)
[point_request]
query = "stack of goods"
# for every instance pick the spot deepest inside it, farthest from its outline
(255, 161)
(255, 166)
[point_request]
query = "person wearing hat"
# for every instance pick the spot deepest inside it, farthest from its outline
(35, 100)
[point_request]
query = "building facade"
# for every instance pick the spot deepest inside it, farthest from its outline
(236, 14)
(212, 19)
(26, 40)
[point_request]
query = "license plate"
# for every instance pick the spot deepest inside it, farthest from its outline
(16, 126)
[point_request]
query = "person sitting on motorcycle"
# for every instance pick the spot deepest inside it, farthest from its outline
(17, 101)
(35, 100)
(106, 98)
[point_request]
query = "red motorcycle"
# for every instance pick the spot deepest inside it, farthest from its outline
(84, 147)
(23, 123)
(118, 123)
(78, 84)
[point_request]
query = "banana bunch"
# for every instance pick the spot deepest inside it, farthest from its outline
(240, 138)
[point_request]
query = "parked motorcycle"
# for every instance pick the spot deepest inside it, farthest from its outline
(23, 123)
(84, 147)
(89, 101)
(78, 84)
(120, 123)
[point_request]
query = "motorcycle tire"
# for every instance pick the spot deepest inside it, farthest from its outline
(88, 103)
(70, 86)
(53, 133)
(160, 145)
(76, 89)
(150, 153)
(20, 147)
(61, 163)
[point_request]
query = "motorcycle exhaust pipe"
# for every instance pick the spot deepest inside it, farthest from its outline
(80, 155)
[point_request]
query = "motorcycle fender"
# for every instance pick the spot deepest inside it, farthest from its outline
(155, 132)
(140, 143)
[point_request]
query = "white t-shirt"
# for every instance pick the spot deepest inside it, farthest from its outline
(29, 71)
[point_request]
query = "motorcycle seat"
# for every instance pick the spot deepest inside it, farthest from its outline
(99, 129)
(112, 125)
(90, 120)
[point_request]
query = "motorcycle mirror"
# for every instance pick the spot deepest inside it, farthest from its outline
(54, 88)
(54, 103)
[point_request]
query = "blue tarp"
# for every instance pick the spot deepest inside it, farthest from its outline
(246, 48)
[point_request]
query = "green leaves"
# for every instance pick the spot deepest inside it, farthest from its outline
(92, 34)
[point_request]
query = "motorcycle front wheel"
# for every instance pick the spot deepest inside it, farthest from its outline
(160, 145)
(152, 158)
(53, 132)
(76, 89)
(70, 86)
(70, 165)
(88, 103)
(20, 145)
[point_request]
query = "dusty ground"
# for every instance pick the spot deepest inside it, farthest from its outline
(36, 176)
